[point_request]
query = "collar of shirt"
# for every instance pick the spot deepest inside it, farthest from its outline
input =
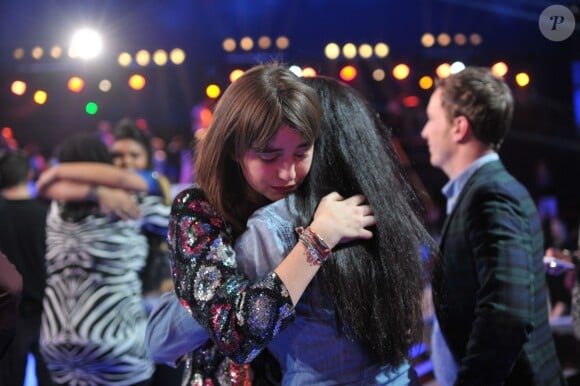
(453, 188)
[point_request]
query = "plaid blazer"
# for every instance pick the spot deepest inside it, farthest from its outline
(489, 285)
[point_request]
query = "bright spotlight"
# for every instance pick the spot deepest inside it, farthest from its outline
(86, 44)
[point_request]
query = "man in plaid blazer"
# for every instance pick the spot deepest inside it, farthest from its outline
(489, 287)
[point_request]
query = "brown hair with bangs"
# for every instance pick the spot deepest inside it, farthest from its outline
(248, 116)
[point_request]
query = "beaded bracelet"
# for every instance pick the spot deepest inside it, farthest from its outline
(317, 251)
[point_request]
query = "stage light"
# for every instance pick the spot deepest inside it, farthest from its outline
(348, 73)
(456, 67)
(365, 51)
(296, 70)
(75, 84)
(426, 82)
(177, 56)
(40, 97)
(522, 79)
(379, 74)
(86, 44)
(401, 71)
(105, 85)
(443, 70)
(460, 39)
(308, 72)
(137, 82)
(235, 74)
(142, 58)
(411, 101)
(475, 39)
(37, 52)
(18, 87)
(213, 91)
(124, 59)
(349, 51)
(160, 57)
(499, 69)
(229, 45)
(246, 43)
(282, 42)
(443, 39)
(382, 50)
(264, 42)
(332, 51)
(55, 52)
(18, 53)
(427, 40)
(91, 108)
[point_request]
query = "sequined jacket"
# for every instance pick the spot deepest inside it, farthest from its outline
(241, 316)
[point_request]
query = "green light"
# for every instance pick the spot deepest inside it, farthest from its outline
(91, 108)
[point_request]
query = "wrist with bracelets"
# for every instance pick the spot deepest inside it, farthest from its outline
(317, 251)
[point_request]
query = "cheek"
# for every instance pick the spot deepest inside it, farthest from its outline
(302, 169)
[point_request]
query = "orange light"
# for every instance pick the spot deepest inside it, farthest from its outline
(308, 72)
(401, 71)
(348, 73)
(205, 117)
(76, 84)
(426, 82)
(235, 74)
(443, 70)
(18, 87)
(7, 132)
(499, 69)
(137, 82)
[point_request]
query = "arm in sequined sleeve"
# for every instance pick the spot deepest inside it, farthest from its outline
(241, 316)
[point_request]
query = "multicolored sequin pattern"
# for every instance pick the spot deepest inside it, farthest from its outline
(241, 316)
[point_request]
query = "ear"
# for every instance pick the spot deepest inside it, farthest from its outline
(461, 129)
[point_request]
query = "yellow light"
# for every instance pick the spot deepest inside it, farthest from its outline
(365, 51)
(426, 82)
(18, 87)
(379, 74)
(427, 40)
(522, 79)
(264, 42)
(18, 53)
(40, 97)
(76, 84)
(443, 70)
(499, 69)
(137, 82)
(349, 51)
(401, 71)
(235, 74)
(37, 52)
(381, 50)
(443, 39)
(308, 72)
(332, 51)
(124, 59)
(282, 42)
(229, 45)
(213, 91)
(246, 43)
(348, 73)
(177, 56)
(143, 57)
(160, 57)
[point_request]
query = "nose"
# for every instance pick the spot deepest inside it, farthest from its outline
(424, 132)
(287, 171)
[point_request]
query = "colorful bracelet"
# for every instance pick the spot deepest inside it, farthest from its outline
(317, 251)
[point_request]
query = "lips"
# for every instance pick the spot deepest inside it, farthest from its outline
(284, 189)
